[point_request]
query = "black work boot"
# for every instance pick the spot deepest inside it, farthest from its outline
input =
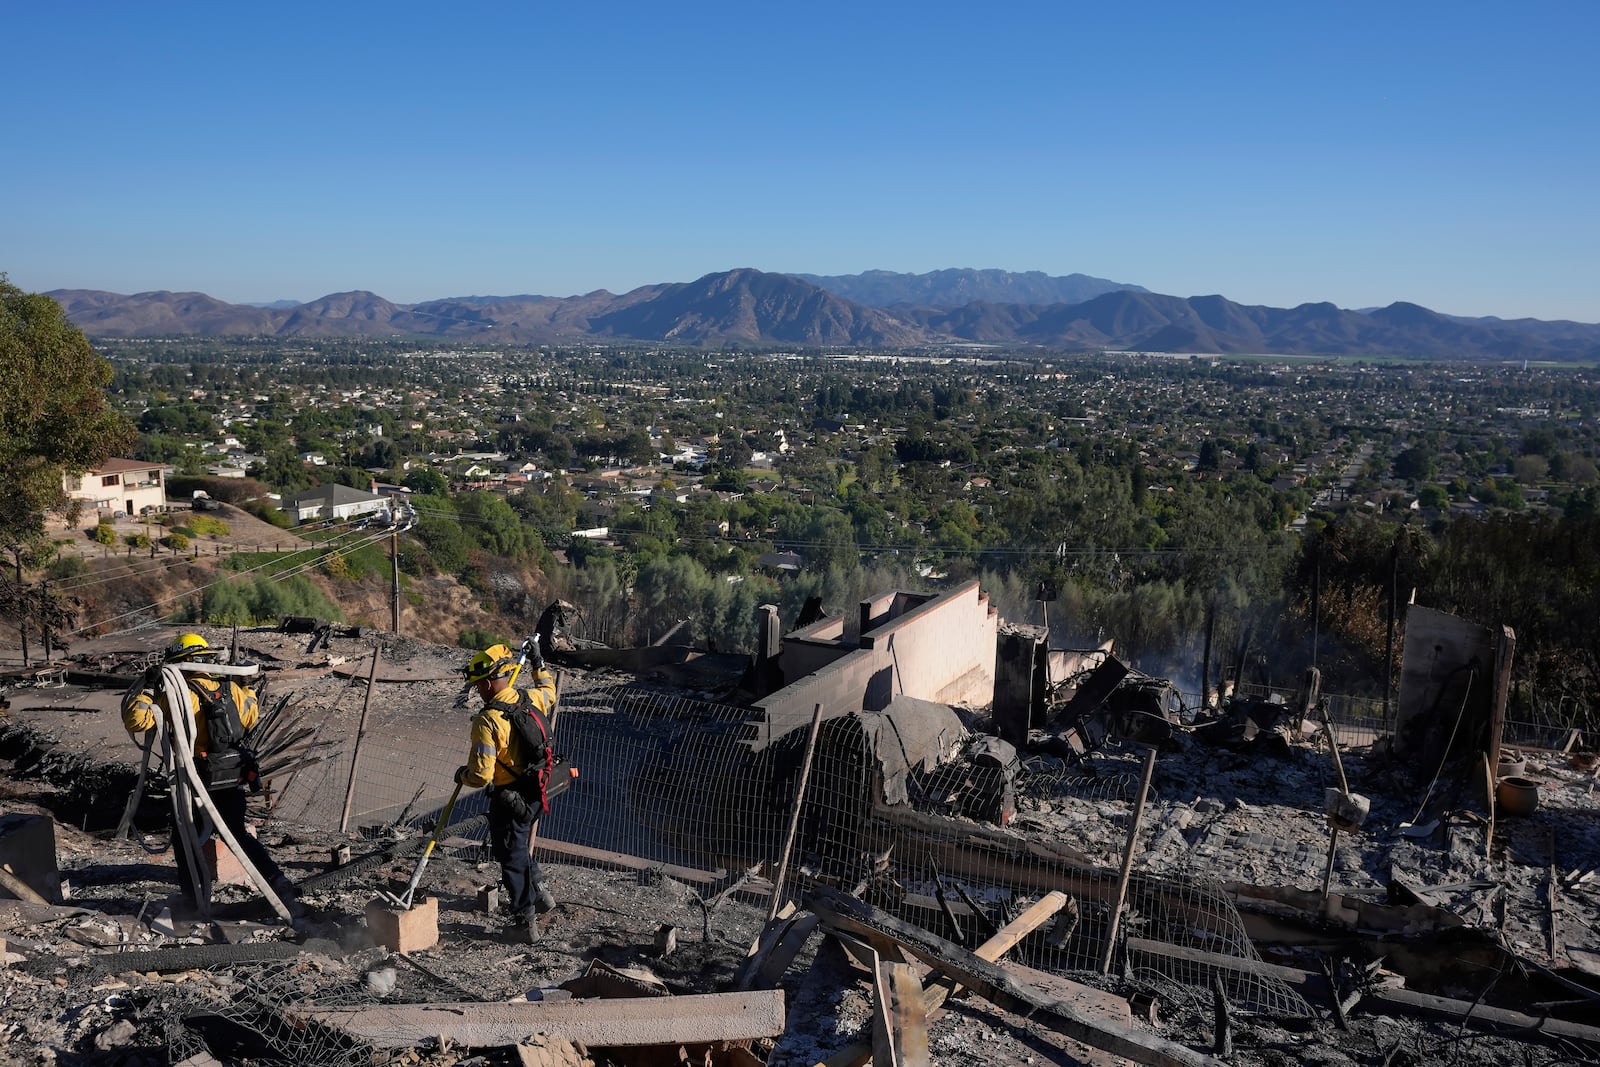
(543, 899)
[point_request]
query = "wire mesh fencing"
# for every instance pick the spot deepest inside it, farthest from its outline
(703, 791)
(1358, 721)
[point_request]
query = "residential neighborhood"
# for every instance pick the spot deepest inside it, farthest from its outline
(651, 485)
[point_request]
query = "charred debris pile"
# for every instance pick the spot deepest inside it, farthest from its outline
(925, 838)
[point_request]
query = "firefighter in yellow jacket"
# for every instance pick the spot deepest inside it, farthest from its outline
(511, 755)
(221, 707)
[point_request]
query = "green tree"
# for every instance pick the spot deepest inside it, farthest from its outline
(495, 525)
(1415, 464)
(448, 545)
(54, 418)
(426, 480)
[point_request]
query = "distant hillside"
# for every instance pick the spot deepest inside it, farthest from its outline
(959, 287)
(753, 308)
(162, 314)
(756, 308)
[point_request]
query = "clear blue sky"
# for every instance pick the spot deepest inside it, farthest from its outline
(1276, 153)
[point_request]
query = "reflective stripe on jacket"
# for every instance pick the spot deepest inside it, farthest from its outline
(140, 710)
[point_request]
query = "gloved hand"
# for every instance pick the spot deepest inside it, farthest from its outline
(152, 677)
(535, 656)
(461, 775)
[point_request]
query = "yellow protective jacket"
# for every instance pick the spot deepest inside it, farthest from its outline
(496, 754)
(139, 709)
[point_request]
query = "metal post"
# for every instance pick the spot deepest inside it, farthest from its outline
(361, 732)
(794, 816)
(1127, 860)
(1344, 788)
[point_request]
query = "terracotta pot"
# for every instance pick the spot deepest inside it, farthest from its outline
(1517, 796)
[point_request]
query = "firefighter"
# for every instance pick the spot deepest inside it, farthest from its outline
(228, 709)
(511, 755)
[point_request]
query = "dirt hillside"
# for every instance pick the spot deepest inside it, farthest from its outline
(126, 586)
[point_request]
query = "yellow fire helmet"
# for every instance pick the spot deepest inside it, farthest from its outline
(188, 648)
(496, 661)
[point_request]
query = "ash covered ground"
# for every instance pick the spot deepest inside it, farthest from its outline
(80, 987)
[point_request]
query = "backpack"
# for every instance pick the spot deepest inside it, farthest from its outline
(223, 765)
(538, 753)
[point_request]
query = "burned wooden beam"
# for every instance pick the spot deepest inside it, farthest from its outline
(776, 949)
(996, 986)
(686, 1020)
(937, 992)
(899, 1023)
(1305, 981)
(204, 957)
(1041, 866)
(1481, 1016)
(546, 848)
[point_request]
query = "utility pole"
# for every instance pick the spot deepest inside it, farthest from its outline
(22, 607)
(44, 619)
(394, 595)
(1389, 620)
(1316, 604)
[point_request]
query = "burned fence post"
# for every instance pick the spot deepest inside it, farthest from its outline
(1306, 699)
(1222, 1040)
(1345, 810)
(794, 815)
(1127, 860)
(361, 732)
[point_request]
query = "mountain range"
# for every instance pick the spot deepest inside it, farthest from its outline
(755, 308)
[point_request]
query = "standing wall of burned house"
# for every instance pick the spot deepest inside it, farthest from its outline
(1453, 686)
(933, 648)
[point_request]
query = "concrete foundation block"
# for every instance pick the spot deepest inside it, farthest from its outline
(412, 930)
(489, 899)
(28, 848)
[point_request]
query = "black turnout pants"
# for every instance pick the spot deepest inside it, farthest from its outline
(230, 802)
(510, 840)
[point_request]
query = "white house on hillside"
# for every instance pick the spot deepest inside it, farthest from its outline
(123, 485)
(332, 501)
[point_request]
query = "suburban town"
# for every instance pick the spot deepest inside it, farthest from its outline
(1169, 676)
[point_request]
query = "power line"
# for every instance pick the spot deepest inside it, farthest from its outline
(281, 576)
(70, 584)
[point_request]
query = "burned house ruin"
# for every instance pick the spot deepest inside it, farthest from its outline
(930, 775)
